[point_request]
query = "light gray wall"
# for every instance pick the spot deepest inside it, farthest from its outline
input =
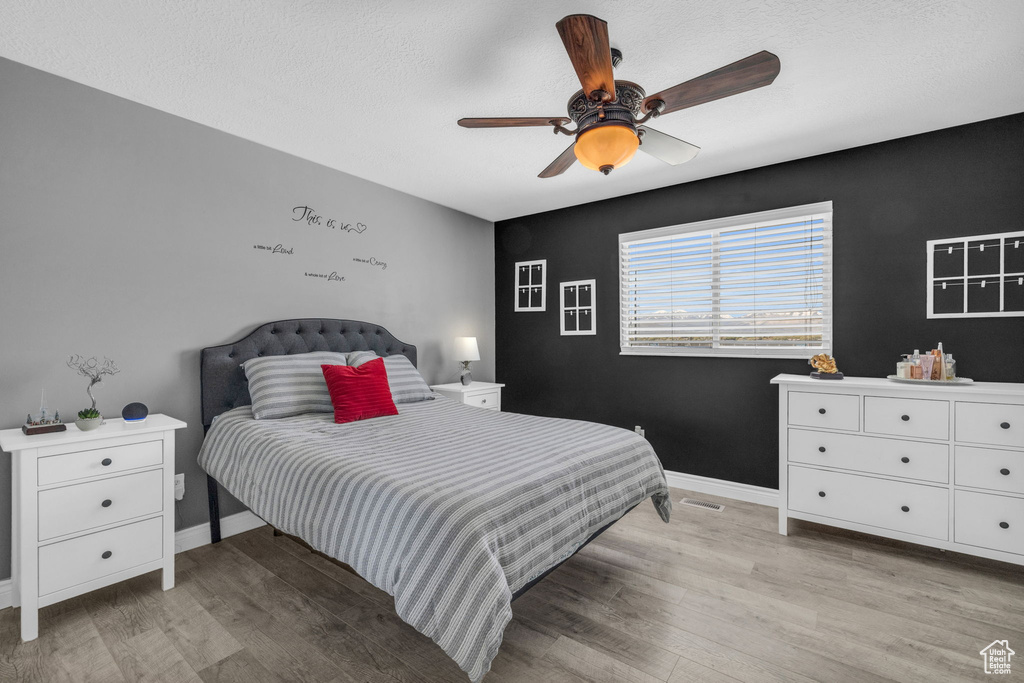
(129, 233)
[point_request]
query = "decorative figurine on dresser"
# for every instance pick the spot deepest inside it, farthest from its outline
(90, 508)
(934, 462)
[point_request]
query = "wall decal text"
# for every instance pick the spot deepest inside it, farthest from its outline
(383, 265)
(333, 277)
(309, 214)
(276, 249)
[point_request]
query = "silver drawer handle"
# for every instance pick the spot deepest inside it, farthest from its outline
(106, 554)
(106, 503)
(106, 462)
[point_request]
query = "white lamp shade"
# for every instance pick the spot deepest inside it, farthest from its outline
(466, 349)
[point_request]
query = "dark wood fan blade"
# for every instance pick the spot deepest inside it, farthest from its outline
(756, 71)
(561, 164)
(514, 122)
(586, 40)
(665, 147)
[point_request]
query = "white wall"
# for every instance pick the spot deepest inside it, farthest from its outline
(129, 233)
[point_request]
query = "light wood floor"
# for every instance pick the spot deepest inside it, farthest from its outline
(714, 596)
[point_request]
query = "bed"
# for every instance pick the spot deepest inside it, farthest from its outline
(453, 510)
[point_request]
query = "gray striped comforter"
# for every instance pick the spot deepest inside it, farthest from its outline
(449, 508)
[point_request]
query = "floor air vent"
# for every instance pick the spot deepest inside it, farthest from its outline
(702, 504)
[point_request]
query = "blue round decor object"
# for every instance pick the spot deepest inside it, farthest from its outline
(135, 412)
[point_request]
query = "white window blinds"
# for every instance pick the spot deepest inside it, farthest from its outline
(752, 285)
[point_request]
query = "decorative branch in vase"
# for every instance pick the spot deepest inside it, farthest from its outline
(90, 418)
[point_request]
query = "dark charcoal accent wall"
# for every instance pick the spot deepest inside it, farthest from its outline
(718, 417)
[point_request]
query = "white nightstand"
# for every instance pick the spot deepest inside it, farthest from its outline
(89, 509)
(479, 394)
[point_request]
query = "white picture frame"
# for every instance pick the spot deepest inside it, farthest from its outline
(578, 307)
(978, 276)
(530, 286)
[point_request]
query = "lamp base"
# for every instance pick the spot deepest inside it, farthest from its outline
(466, 377)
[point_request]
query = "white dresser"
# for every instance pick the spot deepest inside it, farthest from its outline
(479, 394)
(89, 509)
(939, 465)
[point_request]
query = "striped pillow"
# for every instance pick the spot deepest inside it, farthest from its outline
(284, 386)
(407, 384)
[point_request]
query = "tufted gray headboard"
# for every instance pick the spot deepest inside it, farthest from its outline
(222, 380)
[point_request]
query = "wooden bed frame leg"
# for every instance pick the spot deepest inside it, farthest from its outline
(211, 491)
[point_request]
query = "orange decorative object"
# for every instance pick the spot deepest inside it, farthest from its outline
(824, 363)
(605, 147)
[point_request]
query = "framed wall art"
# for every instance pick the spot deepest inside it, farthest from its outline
(980, 276)
(530, 281)
(578, 312)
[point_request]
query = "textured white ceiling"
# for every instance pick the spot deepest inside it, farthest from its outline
(375, 88)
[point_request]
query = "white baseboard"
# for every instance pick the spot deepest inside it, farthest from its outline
(724, 489)
(186, 539)
(198, 535)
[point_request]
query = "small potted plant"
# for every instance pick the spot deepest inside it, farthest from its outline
(90, 418)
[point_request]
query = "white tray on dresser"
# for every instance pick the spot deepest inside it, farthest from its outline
(941, 466)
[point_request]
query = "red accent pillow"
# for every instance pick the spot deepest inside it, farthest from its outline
(359, 393)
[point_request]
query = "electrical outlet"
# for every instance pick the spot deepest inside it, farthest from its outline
(639, 430)
(179, 486)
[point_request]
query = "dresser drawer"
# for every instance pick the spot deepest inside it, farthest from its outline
(986, 468)
(79, 560)
(827, 411)
(70, 466)
(899, 506)
(872, 455)
(489, 399)
(997, 424)
(69, 509)
(911, 417)
(979, 520)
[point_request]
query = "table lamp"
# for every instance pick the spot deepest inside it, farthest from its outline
(466, 351)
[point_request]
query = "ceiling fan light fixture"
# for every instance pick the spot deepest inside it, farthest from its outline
(605, 147)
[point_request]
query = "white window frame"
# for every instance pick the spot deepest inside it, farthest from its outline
(577, 309)
(543, 263)
(713, 228)
(965, 280)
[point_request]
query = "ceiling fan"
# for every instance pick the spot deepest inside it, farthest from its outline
(609, 114)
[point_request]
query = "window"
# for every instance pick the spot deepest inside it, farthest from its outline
(750, 286)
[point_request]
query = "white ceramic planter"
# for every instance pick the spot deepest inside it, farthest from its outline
(89, 423)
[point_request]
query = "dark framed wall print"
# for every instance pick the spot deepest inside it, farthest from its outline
(578, 316)
(981, 276)
(530, 280)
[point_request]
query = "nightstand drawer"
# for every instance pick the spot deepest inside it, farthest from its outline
(69, 509)
(900, 506)
(490, 399)
(82, 464)
(827, 411)
(912, 417)
(997, 424)
(870, 454)
(986, 468)
(989, 521)
(79, 560)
